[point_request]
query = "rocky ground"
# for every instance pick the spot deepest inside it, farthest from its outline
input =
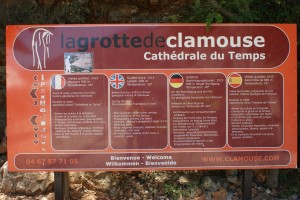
(148, 185)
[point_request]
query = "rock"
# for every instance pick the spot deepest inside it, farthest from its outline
(99, 181)
(232, 176)
(89, 196)
(232, 187)
(200, 198)
(233, 172)
(230, 194)
(75, 177)
(239, 192)
(137, 197)
(209, 185)
(25, 183)
(207, 195)
(221, 194)
(239, 182)
(198, 192)
(235, 198)
(225, 184)
(76, 191)
(104, 183)
(261, 178)
(184, 180)
(260, 175)
(254, 192)
(128, 193)
(188, 179)
(232, 179)
(162, 198)
(50, 196)
(159, 179)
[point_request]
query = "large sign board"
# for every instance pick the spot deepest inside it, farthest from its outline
(151, 96)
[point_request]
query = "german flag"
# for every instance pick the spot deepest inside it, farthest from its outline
(176, 80)
(235, 80)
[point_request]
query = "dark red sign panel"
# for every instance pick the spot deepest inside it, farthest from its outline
(132, 97)
(191, 46)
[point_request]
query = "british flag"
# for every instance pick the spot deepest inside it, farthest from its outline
(117, 81)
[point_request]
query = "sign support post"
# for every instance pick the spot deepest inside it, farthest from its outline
(61, 185)
(58, 185)
(247, 184)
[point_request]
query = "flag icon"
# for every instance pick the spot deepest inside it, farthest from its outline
(176, 80)
(58, 82)
(117, 81)
(235, 80)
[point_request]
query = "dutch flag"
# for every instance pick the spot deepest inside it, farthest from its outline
(58, 82)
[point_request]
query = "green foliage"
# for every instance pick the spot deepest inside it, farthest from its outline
(246, 11)
(204, 11)
(290, 178)
(174, 18)
(176, 191)
(213, 17)
(198, 11)
(276, 11)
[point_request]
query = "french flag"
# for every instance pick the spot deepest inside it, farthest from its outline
(58, 82)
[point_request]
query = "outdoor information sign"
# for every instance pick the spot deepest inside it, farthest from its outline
(151, 96)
